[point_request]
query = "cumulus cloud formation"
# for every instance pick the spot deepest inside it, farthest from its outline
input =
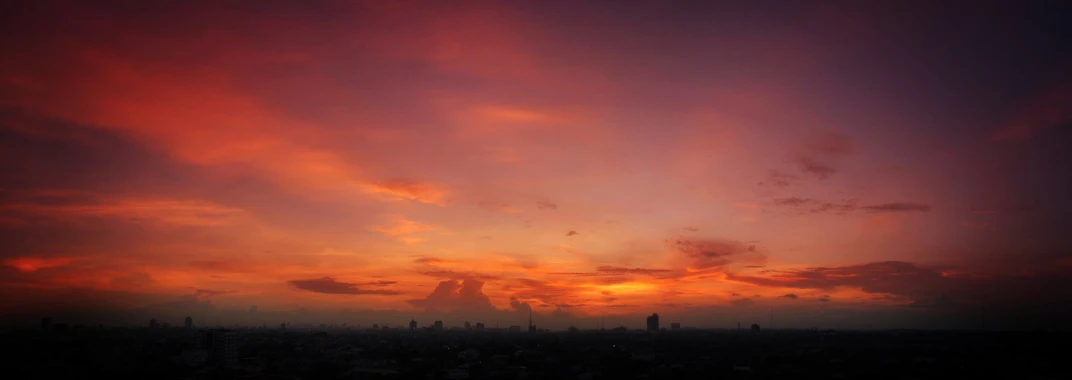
(519, 306)
(328, 285)
(456, 296)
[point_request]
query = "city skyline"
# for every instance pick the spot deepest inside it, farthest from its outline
(363, 162)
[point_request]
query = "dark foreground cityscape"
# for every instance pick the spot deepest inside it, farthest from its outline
(56, 351)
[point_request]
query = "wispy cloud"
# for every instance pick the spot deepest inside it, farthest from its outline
(816, 156)
(815, 206)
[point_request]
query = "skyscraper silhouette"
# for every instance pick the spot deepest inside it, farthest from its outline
(653, 322)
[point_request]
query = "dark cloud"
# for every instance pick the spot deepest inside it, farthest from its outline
(893, 277)
(813, 166)
(816, 156)
(546, 205)
(824, 298)
(621, 270)
(693, 229)
(793, 201)
(814, 206)
(898, 207)
(790, 296)
(449, 274)
(456, 296)
(571, 233)
(328, 285)
(713, 253)
(932, 288)
(430, 260)
(778, 180)
(520, 306)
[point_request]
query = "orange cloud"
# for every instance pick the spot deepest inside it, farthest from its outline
(401, 190)
(33, 264)
(182, 212)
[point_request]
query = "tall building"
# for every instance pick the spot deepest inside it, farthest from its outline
(189, 323)
(653, 322)
(222, 345)
(675, 326)
(46, 323)
(468, 326)
(153, 324)
(532, 327)
(438, 325)
(755, 328)
(480, 325)
(412, 324)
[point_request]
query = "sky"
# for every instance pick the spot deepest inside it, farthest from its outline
(815, 164)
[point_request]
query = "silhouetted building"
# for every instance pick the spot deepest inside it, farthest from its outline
(467, 325)
(153, 324)
(222, 345)
(480, 325)
(189, 323)
(515, 328)
(283, 326)
(46, 323)
(438, 325)
(412, 324)
(375, 325)
(675, 326)
(755, 328)
(653, 322)
(573, 329)
(532, 327)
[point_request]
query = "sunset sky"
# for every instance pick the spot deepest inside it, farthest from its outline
(838, 166)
